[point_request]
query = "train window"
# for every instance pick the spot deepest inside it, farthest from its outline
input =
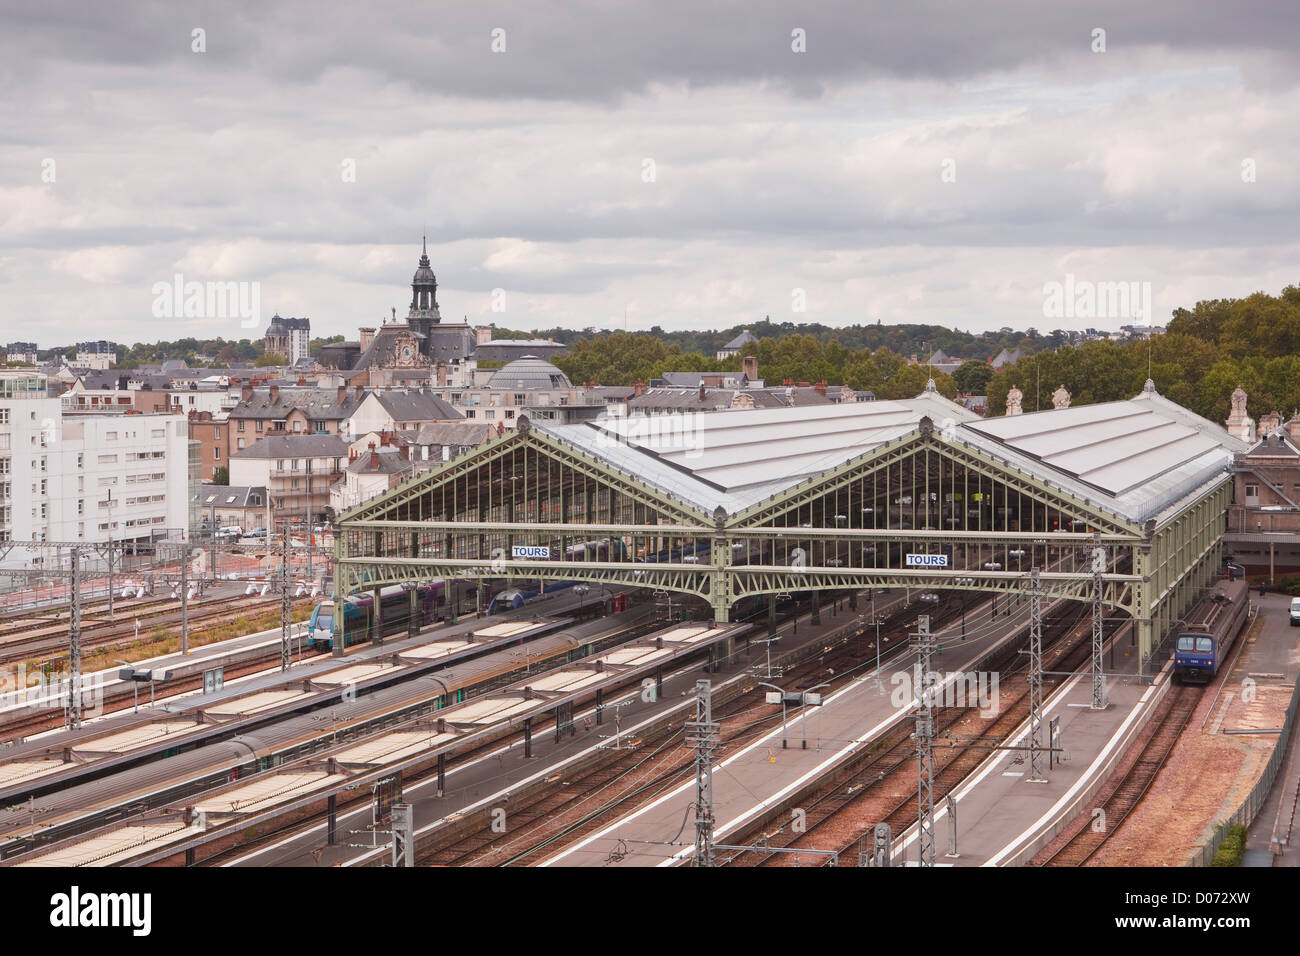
(1204, 644)
(1185, 643)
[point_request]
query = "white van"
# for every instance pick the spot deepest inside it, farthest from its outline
(1295, 611)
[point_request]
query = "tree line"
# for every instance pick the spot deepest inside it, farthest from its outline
(1206, 353)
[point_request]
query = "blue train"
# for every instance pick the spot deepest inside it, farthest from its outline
(395, 608)
(1201, 649)
(513, 598)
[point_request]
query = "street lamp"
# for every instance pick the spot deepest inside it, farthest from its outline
(581, 590)
(880, 619)
(777, 698)
(803, 698)
(807, 697)
(136, 676)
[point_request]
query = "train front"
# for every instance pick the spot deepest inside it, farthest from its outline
(1194, 657)
(320, 627)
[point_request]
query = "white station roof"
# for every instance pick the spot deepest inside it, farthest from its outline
(1135, 458)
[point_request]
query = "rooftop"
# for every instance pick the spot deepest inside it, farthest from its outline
(295, 446)
(1136, 458)
(529, 372)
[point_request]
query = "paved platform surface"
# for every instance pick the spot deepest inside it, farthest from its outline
(1000, 809)
(488, 779)
(748, 781)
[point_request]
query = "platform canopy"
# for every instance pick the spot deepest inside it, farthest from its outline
(733, 505)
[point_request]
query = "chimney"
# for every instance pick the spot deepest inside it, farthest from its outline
(406, 452)
(1293, 426)
(360, 392)
(301, 380)
(352, 454)
(787, 382)
(246, 393)
(367, 339)
(483, 334)
(442, 374)
(805, 385)
(383, 438)
(701, 391)
(343, 394)
(821, 388)
(638, 388)
(275, 394)
(749, 365)
(374, 459)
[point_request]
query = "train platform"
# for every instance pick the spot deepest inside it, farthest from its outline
(1004, 815)
(750, 780)
(433, 642)
(491, 778)
(1221, 757)
(1005, 820)
(357, 763)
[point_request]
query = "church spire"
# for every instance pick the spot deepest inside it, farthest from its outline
(424, 297)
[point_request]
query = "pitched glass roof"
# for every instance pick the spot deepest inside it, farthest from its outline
(1135, 458)
(1113, 447)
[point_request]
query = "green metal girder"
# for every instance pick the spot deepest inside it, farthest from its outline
(1165, 556)
(499, 447)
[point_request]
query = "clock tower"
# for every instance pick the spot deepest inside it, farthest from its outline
(424, 300)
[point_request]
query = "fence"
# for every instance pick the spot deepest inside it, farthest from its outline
(1245, 814)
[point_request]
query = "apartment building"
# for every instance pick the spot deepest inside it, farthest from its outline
(21, 352)
(290, 410)
(296, 470)
(97, 355)
(381, 466)
(87, 476)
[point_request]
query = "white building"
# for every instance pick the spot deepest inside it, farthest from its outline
(21, 352)
(89, 476)
(398, 411)
(96, 355)
(369, 472)
(296, 470)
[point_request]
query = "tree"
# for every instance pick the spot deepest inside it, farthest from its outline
(221, 475)
(269, 359)
(973, 377)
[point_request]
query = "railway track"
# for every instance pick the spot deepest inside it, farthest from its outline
(107, 634)
(1083, 843)
(558, 816)
(54, 718)
(39, 625)
(880, 786)
(230, 850)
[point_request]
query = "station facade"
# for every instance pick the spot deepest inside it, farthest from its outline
(737, 508)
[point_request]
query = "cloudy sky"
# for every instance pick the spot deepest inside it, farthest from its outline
(685, 163)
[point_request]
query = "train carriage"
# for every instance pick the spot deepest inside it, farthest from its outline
(395, 612)
(1202, 647)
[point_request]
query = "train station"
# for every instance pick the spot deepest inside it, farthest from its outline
(511, 634)
(737, 509)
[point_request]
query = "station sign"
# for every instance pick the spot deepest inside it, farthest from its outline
(530, 551)
(927, 560)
